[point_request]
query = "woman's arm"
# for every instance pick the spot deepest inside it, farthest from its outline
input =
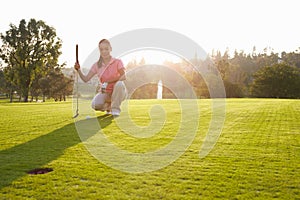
(85, 78)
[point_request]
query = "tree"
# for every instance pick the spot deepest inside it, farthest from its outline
(292, 58)
(232, 74)
(57, 85)
(10, 82)
(30, 51)
(277, 81)
(2, 82)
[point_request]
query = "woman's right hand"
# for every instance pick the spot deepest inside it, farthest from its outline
(77, 66)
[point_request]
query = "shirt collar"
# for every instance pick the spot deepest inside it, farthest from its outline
(110, 62)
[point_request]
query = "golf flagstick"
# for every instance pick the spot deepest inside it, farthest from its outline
(77, 110)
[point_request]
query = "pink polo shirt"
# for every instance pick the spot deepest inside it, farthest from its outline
(108, 72)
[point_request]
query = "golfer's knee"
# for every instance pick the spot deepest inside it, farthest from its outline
(97, 106)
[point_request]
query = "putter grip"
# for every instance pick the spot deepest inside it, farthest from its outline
(77, 53)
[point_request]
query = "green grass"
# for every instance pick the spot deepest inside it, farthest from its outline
(256, 157)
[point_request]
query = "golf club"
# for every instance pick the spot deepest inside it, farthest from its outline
(77, 110)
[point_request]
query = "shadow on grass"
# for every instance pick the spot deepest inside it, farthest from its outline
(18, 160)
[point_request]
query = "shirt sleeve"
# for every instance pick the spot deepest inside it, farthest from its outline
(120, 65)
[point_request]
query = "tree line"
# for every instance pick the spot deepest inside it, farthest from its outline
(263, 75)
(29, 67)
(30, 53)
(268, 75)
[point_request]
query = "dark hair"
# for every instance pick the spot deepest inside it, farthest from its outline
(100, 58)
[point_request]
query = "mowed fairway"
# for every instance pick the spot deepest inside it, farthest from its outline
(256, 157)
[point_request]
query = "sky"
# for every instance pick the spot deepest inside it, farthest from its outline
(212, 24)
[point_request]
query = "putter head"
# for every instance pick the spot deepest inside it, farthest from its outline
(76, 115)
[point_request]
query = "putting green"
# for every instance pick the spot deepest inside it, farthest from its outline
(257, 155)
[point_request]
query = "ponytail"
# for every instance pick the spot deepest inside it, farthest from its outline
(99, 63)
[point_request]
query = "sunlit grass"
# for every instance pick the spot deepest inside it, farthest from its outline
(257, 155)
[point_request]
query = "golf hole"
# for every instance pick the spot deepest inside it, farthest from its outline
(40, 171)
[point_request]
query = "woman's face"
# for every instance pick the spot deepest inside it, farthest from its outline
(104, 49)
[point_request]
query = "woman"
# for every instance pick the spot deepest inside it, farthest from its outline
(111, 74)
